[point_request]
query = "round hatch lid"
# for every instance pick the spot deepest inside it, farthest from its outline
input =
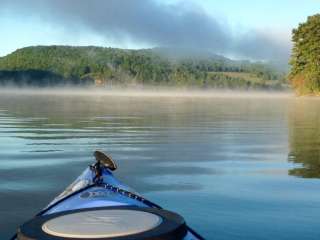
(106, 223)
(102, 223)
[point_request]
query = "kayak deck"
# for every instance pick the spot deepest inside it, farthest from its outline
(96, 189)
(110, 192)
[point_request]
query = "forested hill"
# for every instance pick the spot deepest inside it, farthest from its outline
(59, 65)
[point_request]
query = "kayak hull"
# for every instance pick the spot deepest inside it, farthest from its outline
(86, 194)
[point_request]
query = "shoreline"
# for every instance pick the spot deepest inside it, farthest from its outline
(150, 92)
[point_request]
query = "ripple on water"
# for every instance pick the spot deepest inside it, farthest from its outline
(226, 159)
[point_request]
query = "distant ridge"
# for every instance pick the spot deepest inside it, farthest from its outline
(101, 66)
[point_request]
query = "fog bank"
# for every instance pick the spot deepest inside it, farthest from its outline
(154, 23)
(147, 92)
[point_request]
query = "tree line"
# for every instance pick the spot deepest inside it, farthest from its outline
(305, 59)
(47, 65)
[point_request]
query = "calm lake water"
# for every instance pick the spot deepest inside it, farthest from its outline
(235, 168)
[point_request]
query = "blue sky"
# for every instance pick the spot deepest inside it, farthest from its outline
(284, 14)
(50, 23)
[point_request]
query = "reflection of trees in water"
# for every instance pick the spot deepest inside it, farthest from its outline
(304, 138)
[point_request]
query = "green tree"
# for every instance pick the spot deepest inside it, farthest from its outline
(305, 59)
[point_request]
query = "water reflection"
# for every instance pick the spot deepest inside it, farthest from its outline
(69, 129)
(304, 138)
(226, 158)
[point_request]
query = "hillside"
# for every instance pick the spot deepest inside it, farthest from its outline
(60, 65)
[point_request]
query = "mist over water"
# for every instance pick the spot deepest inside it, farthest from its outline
(145, 91)
(244, 165)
